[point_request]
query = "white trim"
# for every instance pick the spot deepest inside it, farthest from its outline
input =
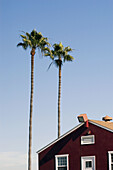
(87, 143)
(90, 158)
(60, 138)
(103, 127)
(109, 156)
(56, 162)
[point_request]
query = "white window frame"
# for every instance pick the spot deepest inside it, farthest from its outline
(90, 158)
(56, 160)
(109, 156)
(87, 143)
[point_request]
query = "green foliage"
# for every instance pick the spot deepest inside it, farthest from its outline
(24, 45)
(34, 40)
(59, 54)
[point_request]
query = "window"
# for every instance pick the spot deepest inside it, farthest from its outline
(61, 162)
(87, 139)
(110, 155)
(88, 162)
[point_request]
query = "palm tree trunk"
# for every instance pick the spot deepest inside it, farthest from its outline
(59, 97)
(31, 108)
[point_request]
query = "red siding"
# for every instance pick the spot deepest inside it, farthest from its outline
(71, 144)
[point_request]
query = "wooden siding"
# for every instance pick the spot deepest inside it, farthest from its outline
(71, 144)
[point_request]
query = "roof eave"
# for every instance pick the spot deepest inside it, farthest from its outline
(101, 126)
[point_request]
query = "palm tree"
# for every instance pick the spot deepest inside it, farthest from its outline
(33, 40)
(59, 55)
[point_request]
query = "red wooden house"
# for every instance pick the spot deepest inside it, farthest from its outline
(88, 146)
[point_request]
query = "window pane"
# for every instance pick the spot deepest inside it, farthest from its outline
(88, 164)
(62, 168)
(62, 161)
(112, 158)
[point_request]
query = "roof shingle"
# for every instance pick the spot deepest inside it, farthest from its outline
(107, 124)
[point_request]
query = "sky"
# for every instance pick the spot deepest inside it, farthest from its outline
(87, 83)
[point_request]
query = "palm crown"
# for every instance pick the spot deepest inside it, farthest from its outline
(59, 54)
(34, 40)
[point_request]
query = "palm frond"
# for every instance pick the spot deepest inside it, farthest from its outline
(23, 36)
(33, 33)
(24, 45)
(68, 49)
(50, 66)
(47, 52)
(68, 58)
(28, 35)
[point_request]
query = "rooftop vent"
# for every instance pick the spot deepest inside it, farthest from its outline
(107, 118)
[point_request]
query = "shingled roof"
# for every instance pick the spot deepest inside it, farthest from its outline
(107, 125)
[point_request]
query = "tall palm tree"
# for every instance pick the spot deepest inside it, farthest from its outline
(33, 40)
(59, 55)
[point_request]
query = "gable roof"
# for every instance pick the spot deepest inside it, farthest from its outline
(105, 125)
(102, 124)
(62, 136)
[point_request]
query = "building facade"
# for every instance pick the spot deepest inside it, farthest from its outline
(88, 146)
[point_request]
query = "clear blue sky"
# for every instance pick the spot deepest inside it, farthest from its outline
(87, 83)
